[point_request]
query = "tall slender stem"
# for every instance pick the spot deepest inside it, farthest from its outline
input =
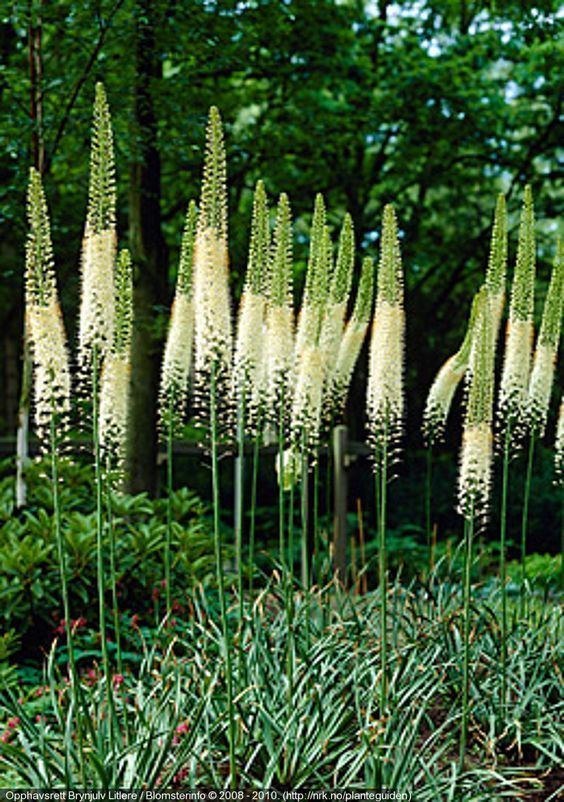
(113, 575)
(428, 496)
(316, 539)
(305, 515)
(525, 519)
(503, 566)
(169, 491)
(289, 598)
(281, 446)
(383, 577)
(63, 576)
(219, 572)
(99, 535)
(239, 500)
(252, 522)
(468, 537)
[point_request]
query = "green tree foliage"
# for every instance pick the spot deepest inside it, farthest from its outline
(435, 105)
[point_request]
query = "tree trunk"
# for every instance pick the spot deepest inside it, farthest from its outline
(148, 251)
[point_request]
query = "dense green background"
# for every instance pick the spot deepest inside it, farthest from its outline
(435, 105)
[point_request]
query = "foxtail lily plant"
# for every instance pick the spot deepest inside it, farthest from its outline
(385, 396)
(474, 482)
(175, 371)
(213, 351)
(513, 392)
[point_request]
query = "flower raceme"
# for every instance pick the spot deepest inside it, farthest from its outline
(213, 338)
(278, 351)
(44, 320)
(385, 396)
(512, 403)
(546, 351)
(99, 246)
(116, 371)
(559, 446)
(449, 377)
(177, 359)
(339, 291)
(497, 266)
(353, 338)
(248, 375)
(446, 382)
(477, 440)
(310, 365)
(316, 283)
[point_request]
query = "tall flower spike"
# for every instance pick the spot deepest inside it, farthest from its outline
(339, 291)
(311, 359)
(213, 338)
(497, 265)
(114, 394)
(351, 342)
(248, 373)
(99, 245)
(315, 288)
(44, 319)
(546, 352)
(445, 384)
(559, 446)
(177, 358)
(517, 360)
(477, 440)
(278, 354)
(385, 394)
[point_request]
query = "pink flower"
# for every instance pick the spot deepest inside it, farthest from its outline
(13, 723)
(118, 679)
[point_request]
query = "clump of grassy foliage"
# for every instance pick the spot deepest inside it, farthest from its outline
(171, 703)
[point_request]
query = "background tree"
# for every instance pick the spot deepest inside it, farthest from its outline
(435, 104)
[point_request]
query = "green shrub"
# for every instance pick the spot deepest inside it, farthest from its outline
(29, 579)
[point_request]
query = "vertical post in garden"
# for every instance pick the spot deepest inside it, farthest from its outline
(340, 493)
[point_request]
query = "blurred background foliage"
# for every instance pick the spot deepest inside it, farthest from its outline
(436, 105)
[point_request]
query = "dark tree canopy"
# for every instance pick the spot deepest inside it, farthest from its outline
(436, 105)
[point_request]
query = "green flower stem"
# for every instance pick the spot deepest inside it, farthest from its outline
(428, 497)
(113, 578)
(304, 515)
(315, 569)
(468, 538)
(291, 535)
(169, 491)
(239, 501)
(115, 602)
(252, 522)
(382, 575)
(503, 567)
(525, 519)
(75, 687)
(289, 593)
(219, 573)
(281, 480)
(99, 538)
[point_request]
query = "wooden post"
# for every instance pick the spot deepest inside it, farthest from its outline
(340, 488)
